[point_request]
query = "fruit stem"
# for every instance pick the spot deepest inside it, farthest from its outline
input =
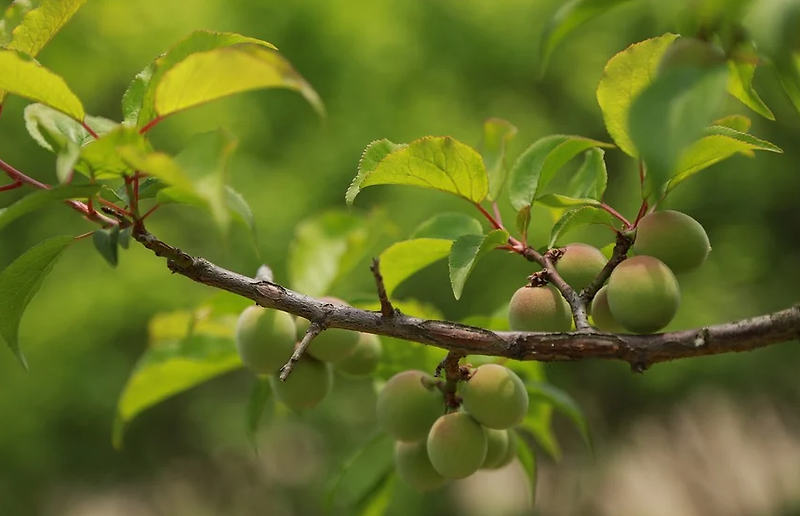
(618, 255)
(616, 214)
(453, 374)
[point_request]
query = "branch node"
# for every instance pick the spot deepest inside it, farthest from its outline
(313, 330)
(386, 306)
(639, 367)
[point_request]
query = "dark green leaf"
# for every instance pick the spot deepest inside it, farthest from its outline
(523, 220)
(591, 179)
(577, 218)
(106, 241)
(125, 238)
(496, 135)
(401, 260)
(466, 252)
(564, 403)
(41, 198)
(440, 163)
(740, 85)
(361, 474)
(260, 398)
(20, 281)
(449, 226)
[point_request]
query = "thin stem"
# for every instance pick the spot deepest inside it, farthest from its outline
(151, 210)
(89, 130)
(576, 303)
(616, 214)
(150, 125)
(642, 212)
(497, 216)
(119, 209)
(12, 186)
(495, 224)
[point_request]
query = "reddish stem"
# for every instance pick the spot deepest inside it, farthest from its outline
(89, 130)
(12, 186)
(615, 213)
(641, 175)
(497, 216)
(122, 211)
(150, 125)
(495, 224)
(642, 212)
(151, 210)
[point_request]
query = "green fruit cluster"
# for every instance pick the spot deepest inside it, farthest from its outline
(433, 446)
(267, 338)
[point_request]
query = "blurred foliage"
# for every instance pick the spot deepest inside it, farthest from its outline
(395, 70)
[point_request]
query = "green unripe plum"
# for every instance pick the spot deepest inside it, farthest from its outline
(457, 445)
(511, 452)
(673, 237)
(264, 338)
(691, 53)
(363, 360)
(408, 405)
(414, 467)
(496, 449)
(580, 264)
(601, 313)
(643, 294)
(539, 309)
(495, 396)
(330, 345)
(307, 385)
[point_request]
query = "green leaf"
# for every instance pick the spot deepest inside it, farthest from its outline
(106, 241)
(370, 158)
(440, 163)
(523, 220)
(537, 166)
(125, 237)
(527, 457)
(590, 180)
(21, 75)
(466, 252)
(29, 25)
(378, 501)
(577, 218)
(260, 398)
(789, 77)
(20, 281)
(625, 76)
(41, 198)
(158, 165)
(53, 130)
(101, 158)
(562, 201)
(569, 16)
(671, 114)
(448, 225)
(66, 160)
(738, 122)
(564, 403)
(402, 259)
(183, 352)
(740, 85)
(721, 143)
(496, 135)
(361, 474)
(241, 212)
(326, 247)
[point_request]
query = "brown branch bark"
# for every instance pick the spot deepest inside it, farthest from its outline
(640, 351)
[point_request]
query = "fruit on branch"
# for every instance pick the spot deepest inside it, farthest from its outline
(580, 264)
(308, 384)
(495, 396)
(511, 452)
(673, 237)
(265, 338)
(330, 345)
(408, 405)
(691, 53)
(539, 309)
(496, 448)
(601, 313)
(643, 294)
(363, 360)
(414, 467)
(457, 445)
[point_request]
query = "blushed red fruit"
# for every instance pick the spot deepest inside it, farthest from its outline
(307, 385)
(363, 360)
(264, 338)
(643, 294)
(408, 405)
(330, 345)
(457, 445)
(414, 467)
(601, 313)
(497, 448)
(539, 309)
(673, 237)
(580, 264)
(495, 396)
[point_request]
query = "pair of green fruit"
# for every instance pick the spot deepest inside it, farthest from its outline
(432, 446)
(267, 338)
(642, 294)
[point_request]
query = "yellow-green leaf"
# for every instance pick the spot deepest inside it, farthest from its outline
(740, 85)
(401, 260)
(624, 77)
(101, 158)
(466, 252)
(40, 20)
(156, 164)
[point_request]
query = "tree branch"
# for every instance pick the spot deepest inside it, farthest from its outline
(640, 351)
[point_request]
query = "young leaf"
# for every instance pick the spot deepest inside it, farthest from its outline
(624, 77)
(496, 135)
(401, 260)
(562, 201)
(40, 198)
(260, 397)
(740, 85)
(21, 75)
(450, 225)
(66, 159)
(178, 359)
(591, 179)
(241, 212)
(101, 159)
(441, 163)
(20, 281)
(361, 474)
(670, 114)
(106, 241)
(577, 218)
(53, 130)
(738, 122)
(158, 165)
(564, 403)
(569, 16)
(537, 166)
(466, 252)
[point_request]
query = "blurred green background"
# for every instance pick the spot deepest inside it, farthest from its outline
(716, 435)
